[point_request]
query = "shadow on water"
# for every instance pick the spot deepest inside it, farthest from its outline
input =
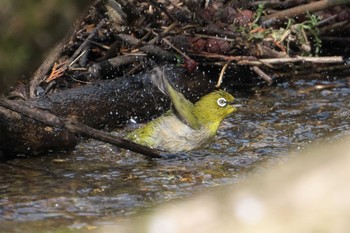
(97, 181)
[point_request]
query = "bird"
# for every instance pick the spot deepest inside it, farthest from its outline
(186, 126)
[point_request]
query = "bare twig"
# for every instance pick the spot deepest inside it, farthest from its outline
(149, 49)
(262, 74)
(163, 33)
(250, 60)
(177, 50)
(77, 58)
(299, 10)
(333, 59)
(86, 41)
(218, 84)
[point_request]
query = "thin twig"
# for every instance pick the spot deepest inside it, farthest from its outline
(163, 33)
(177, 50)
(148, 49)
(250, 60)
(77, 58)
(333, 59)
(299, 10)
(86, 41)
(218, 84)
(224, 38)
(262, 74)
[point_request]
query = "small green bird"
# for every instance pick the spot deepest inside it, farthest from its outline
(186, 126)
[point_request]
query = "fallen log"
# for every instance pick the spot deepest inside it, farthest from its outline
(75, 127)
(20, 135)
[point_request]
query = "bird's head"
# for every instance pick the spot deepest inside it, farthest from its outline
(212, 108)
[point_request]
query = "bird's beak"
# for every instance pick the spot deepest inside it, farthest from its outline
(237, 105)
(234, 105)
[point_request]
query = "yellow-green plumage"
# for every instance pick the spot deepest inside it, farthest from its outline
(188, 126)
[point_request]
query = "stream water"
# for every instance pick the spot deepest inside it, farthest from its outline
(98, 182)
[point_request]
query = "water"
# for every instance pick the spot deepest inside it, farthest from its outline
(98, 183)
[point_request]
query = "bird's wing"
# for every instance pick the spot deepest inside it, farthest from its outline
(183, 107)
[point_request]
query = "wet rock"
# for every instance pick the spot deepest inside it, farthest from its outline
(308, 194)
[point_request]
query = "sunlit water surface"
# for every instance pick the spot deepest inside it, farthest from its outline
(98, 183)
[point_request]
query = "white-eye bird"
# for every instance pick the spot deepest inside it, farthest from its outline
(186, 126)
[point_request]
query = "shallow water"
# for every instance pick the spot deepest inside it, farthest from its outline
(98, 183)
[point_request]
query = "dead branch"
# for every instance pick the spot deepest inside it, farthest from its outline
(262, 74)
(253, 61)
(317, 60)
(311, 7)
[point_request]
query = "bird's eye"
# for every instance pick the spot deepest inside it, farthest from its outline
(222, 102)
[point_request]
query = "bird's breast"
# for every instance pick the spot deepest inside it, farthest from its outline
(172, 135)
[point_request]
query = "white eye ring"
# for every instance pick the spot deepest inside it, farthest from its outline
(221, 102)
